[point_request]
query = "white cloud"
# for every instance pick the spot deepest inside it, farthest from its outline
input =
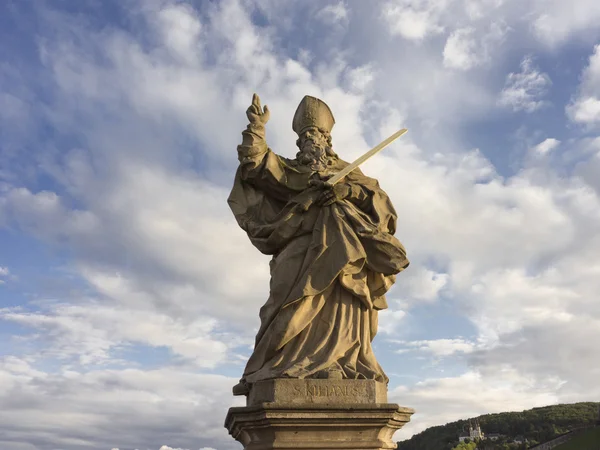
(478, 9)
(90, 332)
(585, 107)
(4, 272)
(474, 26)
(72, 409)
(422, 284)
(133, 222)
(360, 78)
(415, 19)
(334, 13)
(586, 110)
(439, 347)
(439, 401)
(390, 321)
(443, 196)
(524, 90)
(566, 335)
(181, 30)
(589, 168)
(44, 214)
(460, 48)
(554, 22)
(465, 48)
(546, 146)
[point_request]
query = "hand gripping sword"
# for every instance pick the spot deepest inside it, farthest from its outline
(350, 167)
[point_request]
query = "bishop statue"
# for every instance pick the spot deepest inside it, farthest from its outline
(334, 254)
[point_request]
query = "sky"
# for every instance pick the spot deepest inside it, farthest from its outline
(129, 297)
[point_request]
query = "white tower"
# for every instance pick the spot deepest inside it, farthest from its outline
(475, 432)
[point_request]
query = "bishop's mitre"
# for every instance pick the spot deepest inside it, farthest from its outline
(312, 112)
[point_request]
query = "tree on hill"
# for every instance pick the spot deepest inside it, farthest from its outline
(466, 446)
(537, 425)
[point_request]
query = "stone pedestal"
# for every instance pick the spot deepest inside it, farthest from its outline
(317, 415)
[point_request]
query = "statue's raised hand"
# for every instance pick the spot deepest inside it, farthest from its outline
(256, 114)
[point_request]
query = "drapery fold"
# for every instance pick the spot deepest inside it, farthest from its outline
(331, 267)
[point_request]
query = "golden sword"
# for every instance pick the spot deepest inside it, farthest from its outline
(350, 167)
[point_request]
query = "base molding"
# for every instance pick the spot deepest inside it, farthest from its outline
(317, 426)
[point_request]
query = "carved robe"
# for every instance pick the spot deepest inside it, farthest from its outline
(331, 265)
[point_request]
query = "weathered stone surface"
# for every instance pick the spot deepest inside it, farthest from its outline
(334, 252)
(317, 414)
(309, 391)
(313, 381)
(316, 427)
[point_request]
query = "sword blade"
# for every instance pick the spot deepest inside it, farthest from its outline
(350, 167)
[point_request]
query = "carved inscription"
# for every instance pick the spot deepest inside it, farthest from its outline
(323, 390)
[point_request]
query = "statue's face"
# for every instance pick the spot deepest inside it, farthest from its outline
(314, 147)
(312, 138)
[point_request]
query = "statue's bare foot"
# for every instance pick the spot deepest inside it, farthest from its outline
(242, 388)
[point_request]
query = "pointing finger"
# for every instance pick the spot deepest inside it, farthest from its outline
(256, 102)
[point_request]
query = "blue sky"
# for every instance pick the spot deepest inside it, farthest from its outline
(128, 295)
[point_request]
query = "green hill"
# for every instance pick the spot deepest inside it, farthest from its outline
(589, 440)
(536, 425)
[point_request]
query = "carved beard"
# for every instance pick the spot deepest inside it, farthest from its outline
(314, 156)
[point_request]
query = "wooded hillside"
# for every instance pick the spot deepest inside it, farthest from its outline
(536, 425)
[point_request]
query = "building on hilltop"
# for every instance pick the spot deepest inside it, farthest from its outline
(474, 432)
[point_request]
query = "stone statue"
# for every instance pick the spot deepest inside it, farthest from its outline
(334, 252)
